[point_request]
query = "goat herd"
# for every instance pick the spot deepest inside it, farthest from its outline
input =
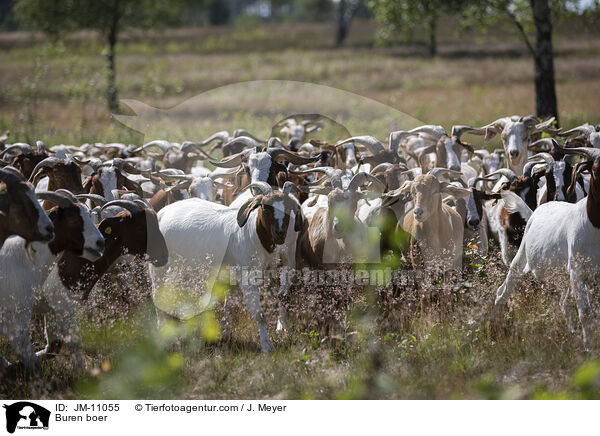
(67, 213)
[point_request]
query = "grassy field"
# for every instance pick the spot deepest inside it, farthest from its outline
(359, 343)
(386, 347)
(57, 93)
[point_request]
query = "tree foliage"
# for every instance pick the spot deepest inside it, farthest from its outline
(58, 17)
(527, 16)
(402, 17)
(109, 17)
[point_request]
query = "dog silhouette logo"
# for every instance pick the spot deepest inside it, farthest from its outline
(26, 415)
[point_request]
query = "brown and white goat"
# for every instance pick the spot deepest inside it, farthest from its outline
(561, 242)
(111, 176)
(201, 233)
(133, 231)
(23, 271)
(20, 212)
(26, 159)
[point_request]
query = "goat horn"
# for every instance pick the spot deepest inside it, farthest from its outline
(438, 172)
(281, 154)
(123, 165)
(223, 185)
(186, 146)
(528, 168)
(11, 170)
(506, 172)
(166, 176)
(547, 157)
(68, 194)
(49, 162)
(362, 177)
(221, 136)
(98, 199)
(227, 175)
(56, 198)
(549, 142)
(232, 161)
(382, 167)
(22, 147)
(429, 129)
(473, 181)
(125, 204)
(79, 161)
(584, 129)
(274, 142)
(494, 124)
(185, 184)
(412, 172)
(246, 141)
(589, 152)
(316, 182)
(243, 132)
(328, 171)
(161, 144)
(436, 132)
(373, 144)
(458, 131)
(322, 190)
(401, 191)
(530, 121)
(545, 126)
(263, 187)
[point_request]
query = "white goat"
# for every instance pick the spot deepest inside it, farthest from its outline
(198, 232)
(516, 133)
(562, 239)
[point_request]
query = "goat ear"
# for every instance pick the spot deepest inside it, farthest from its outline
(133, 186)
(37, 176)
(246, 208)
(491, 131)
(298, 220)
(87, 184)
(4, 200)
(455, 191)
(429, 149)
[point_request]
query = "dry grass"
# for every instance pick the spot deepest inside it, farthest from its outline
(359, 343)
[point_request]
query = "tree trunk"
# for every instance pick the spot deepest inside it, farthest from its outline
(342, 23)
(545, 88)
(433, 35)
(111, 74)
